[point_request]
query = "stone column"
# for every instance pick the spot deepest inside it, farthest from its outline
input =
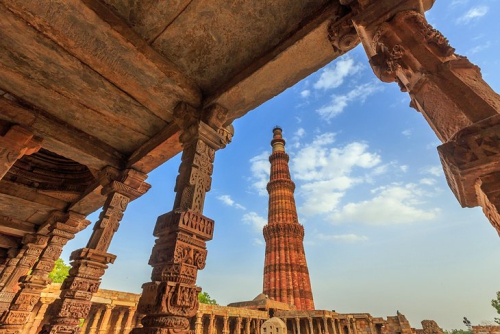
(247, 326)
(118, 324)
(28, 255)
(33, 329)
(325, 325)
(103, 328)
(198, 326)
(17, 142)
(60, 228)
(446, 88)
(225, 329)
(95, 321)
(237, 328)
(89, 264)
(171, 299)
(211, 324)
(311, 329)
(297, 324)
(128, 322)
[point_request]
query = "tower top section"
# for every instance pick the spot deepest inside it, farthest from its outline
(278, 143)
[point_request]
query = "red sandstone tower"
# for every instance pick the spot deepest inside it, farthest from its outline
(286, 277)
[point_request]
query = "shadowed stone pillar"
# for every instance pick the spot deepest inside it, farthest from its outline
(88, 264)
(40, 314)
(95, 321)
(103, 328)
(118, 324)
(225, 329)
(171, 298)
(128, 322)
(17, 142)
(446, 88)
(211, 324)
(247, 326)
(28, 255)
(297, 324)
(60, 228)
(238, 325)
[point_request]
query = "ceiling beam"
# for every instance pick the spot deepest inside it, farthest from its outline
(15, 227)
(30, 194)
(62, 138)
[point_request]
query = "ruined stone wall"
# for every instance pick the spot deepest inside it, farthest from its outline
(486, 329)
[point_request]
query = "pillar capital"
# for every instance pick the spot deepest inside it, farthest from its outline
(15, 143)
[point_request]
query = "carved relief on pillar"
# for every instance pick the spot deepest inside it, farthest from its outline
(89, 264)
(342, 35)
(180, 250)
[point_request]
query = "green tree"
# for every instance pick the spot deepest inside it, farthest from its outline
(60, 271)
(496, 304)
(204, 297)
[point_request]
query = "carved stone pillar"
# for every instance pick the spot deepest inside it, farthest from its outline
(95, 321)
(247, 326)
(325, 325)
(225, 329)
(171, 298)
(128, 322)
(238, 325)
(28, 255)
(211, 324)
(60, 228)
(311, 329)
(198, 326)
(40, 314)
(103, 328)
(17, 142)
(118, 323)
(446, 88)
(88, 264)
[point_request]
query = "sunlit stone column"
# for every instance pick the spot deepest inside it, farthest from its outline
(17, 142)
(128, 322)
(95, 320)
(33, 329)
(60, 228)
(118, 324)
(171, 298)
(103, 328)
(198, 329)
(89, 263)
(237, 328)
(445, 87)
(297, 323)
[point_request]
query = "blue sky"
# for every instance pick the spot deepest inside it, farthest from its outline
(383, 230)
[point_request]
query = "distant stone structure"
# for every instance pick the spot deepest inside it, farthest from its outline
(492, 329)
(286, 276)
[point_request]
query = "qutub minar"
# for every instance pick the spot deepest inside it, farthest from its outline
(286, 277)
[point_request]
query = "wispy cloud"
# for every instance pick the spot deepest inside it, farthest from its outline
(473, 14)
(226, 199)
(339, 102)
(432, 170)
(392, 204)
(257, 222)
(305, 93)
(342, 237)
(260, 169)
(406, 133)
(334, 75)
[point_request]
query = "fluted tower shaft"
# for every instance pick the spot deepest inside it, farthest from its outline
(286, 277)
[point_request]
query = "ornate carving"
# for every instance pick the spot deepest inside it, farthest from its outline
(342, 35)
(430, 35)
(187, 221)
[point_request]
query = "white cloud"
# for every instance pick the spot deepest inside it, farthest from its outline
(327, 172)
(406, 133)
(432, 170)
(392, 204)
(343, 237)
(428, 181)
(305, 93)
(226, 199)
(458, 2)
(480, 48)
(256, 221)
(473, 14)
(340, 102)
(260, 168)
(333, 76)
(258, 242)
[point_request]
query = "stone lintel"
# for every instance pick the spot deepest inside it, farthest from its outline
(92, 255)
